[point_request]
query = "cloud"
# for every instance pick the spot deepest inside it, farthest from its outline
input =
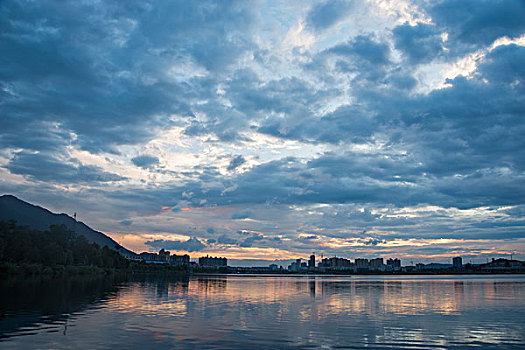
(145, 161)
(420, 43)
(325, 14)
(411, 130)
(309, 238)
(45, 167)
(365, 49)
(236, 162)
(223, 239)
(374, 242)
(103, 75)
(472, 24)
(248, 242)
(191, 245)
(33, 135)
(243, 214)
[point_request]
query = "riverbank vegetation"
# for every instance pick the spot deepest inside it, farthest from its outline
(57, 251)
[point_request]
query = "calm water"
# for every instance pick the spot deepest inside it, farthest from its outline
(266, 312)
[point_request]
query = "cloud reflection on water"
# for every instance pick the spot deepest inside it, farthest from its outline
(305, 311)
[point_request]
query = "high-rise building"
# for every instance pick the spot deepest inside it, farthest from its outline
(336, 263)
(324, 263)
(180, 259)
(394, 264)
(377, 264)
(457, 262)
(361, 263)
(311, 262)
(339, 262)
(212, 261)
(164, 255)
(295, 266)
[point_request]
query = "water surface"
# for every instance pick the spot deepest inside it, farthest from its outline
(265, 312)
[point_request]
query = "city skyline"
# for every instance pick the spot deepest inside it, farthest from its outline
(331, 265)
(267, 130)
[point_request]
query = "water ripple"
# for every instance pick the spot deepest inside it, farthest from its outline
(272, 312)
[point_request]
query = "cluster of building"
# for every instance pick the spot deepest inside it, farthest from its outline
(335, 263)
(165, 257)
(376, 265)
(208, 261)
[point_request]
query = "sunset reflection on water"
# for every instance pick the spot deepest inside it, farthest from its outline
(333, 295)
(299, 311)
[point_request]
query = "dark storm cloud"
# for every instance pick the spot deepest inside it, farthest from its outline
(325, 14)
(145, 161)
(44, 167)
(191, 245)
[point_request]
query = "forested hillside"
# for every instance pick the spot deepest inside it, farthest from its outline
(57, 246)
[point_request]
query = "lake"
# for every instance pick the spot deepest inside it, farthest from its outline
(265, 312)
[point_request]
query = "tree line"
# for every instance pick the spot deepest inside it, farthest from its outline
(58, 246)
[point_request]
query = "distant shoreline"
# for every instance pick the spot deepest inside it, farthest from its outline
(262, 274)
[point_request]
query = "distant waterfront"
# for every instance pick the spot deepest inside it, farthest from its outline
(265, 311)
(333, 265)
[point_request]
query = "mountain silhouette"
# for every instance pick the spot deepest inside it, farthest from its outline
(38, 218)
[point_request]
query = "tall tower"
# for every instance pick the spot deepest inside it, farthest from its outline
(75, 223)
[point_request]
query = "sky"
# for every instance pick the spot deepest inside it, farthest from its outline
(268, 130)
